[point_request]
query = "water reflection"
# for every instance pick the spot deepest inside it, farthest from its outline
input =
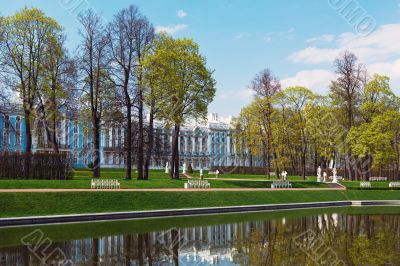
(326, 239)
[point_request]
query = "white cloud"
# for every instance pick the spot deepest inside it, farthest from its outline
(318, 80)
(171, 29)
(242, 35)
(288, 35)
(390, 69)
(314, 55)
(245, 94)
(181, 13)
(380, 45)
(326, 38)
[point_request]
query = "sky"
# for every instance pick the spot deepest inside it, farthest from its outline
(298, 40)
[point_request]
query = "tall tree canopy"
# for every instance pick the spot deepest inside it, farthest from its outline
(184, 87)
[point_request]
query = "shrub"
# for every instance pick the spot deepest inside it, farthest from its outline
(36, 166)
(190, 169)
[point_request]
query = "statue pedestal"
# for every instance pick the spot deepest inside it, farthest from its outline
(335, 180)
(319, 180)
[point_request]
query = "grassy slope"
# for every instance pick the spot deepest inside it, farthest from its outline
(158, 179)
(28, 204)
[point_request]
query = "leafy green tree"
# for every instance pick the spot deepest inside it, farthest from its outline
(26, 36)
(266, 87)
(345, 92)
(185, 86)
(297, 99)
(57, 86)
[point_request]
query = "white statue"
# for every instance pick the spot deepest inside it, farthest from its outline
(284, 175)
(319, 174)
(325, 175)
(216, 173)
(201, 173)
(184, 168)
(334, 172)
(167, 168)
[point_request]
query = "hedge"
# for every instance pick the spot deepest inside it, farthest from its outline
(36, 166)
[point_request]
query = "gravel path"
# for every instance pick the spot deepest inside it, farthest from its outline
(161, 189)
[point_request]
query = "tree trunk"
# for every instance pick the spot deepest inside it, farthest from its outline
(54, 122)
(175, 154)
(96, 146)
(140, 151)
(149, 145)
(276, 164)
(304, 164)
(128, 144)
(28, 139)
(54, 134)
(51, 137)
(28, 142)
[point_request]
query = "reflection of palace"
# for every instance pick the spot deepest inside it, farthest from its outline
(349, 239)
(202, 145)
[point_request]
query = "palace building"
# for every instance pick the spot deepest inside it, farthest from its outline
(203, 145)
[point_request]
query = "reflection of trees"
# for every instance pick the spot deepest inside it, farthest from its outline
(356, 240)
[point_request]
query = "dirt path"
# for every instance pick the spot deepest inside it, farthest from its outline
(160, 189)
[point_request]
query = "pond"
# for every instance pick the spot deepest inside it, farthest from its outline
(339, 236)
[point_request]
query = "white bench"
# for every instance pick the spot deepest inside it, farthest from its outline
(338, 177)
(378, 178)
(197, 184)
(394, 184)
(281, 184)
(105, 184)
(365, 184)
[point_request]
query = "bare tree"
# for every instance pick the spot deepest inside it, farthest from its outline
(346, 89)
(130, 35)
(266, 86)
(346, 92)
(94, 66)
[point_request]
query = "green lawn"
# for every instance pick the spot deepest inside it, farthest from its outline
(247, 176)
(374, 185)
(29, 204)
(158, 179)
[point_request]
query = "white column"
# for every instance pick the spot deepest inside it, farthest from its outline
(186, 145)
(193, 144)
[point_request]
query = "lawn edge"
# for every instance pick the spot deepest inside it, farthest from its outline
(150, 214)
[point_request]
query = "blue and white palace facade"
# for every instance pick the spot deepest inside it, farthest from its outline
(201, 145)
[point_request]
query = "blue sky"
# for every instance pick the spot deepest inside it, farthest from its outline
(298, 39)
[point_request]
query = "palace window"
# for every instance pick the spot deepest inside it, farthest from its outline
(76, 135)
(113, 137)
(189, 139)
(18, 131)
(66, 132)
(6, 134)
(119, 137)
(204, 144)
(58, 132)
(182, 145)
(107, 138)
